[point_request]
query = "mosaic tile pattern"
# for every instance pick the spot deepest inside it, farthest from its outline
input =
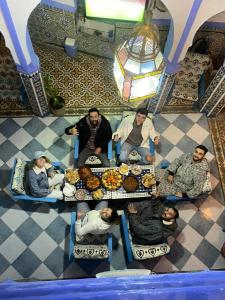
(34, 237)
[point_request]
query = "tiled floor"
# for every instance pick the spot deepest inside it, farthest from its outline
(34, 236)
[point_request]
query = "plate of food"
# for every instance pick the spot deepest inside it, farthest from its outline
(130, 184)
(80, 194)
(98, 194)
(84, 172)
(72, 176)
(148, 180)
(136, 170)
(112, 179)
(92, 183)
(124, 169)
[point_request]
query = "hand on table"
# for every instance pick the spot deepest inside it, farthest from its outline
(98, 150)
(132, 209)
(170, 179)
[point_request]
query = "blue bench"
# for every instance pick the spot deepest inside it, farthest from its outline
(140, 252)
(25, 197)
(82, 250)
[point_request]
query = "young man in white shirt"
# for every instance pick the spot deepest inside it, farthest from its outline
(96, 222)
(134, 133)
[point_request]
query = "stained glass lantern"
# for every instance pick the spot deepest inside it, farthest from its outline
(139, 65)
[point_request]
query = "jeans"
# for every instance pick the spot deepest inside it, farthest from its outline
(85, 153)
(83, 206)
(127, 148)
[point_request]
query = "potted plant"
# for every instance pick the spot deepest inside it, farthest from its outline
(56, 102)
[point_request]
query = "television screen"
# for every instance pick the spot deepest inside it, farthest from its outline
(127, 10)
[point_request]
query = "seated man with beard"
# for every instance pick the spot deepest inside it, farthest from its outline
(94, 133)
(185, 176)
(151, 222)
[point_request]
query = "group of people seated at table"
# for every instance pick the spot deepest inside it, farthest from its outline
(150, 221)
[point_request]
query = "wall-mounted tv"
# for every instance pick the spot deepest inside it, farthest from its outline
(124, 10)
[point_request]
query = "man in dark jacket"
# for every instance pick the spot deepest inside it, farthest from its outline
(94, 133)
(151, 222)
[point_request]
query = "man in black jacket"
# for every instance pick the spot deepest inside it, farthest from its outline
(151, 222)
(94, 133)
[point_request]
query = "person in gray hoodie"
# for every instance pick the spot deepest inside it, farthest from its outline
(41, 180)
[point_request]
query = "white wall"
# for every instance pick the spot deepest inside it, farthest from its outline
(218, 18)
(180, 13)
(20, 17)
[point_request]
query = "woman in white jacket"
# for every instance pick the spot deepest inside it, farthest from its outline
(134, 133)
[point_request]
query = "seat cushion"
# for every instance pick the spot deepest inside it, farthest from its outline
(91, 251)
(18, 177)
(141, 252)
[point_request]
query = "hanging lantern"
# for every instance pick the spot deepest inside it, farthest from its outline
(139, 64)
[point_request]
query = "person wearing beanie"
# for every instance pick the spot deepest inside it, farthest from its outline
(41, 180)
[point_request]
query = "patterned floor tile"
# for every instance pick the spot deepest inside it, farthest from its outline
(164, 266)
(7, 150)
(10, 273)
(174, 134)
(12, 221)
(178, 255)
(165, 146)
(47, 137)
(219, 263)
(43, 273)
(20, 138)
(2, 138)
(31, 147)
(59, 125)
(4, 264)
(5, 232)
(194, 264)
(26, 263)
(60, 149)
(170, 117)
(44, 216)
(207, 257)
(28, 231)
(187, 211)
(212, 208)
(186, 144)
(43, 246)
(216, 236)
(57, 261)
(9, 127)
(197, 133)
(6, 202)
(174, 153)
(58, 230)
(74, 271)
(160, 123)
(34, 126)
(189, 238)
(8, 249)
(21, 121)
(201, 223)
(194, 116)
(203, 123)
(183, 123)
